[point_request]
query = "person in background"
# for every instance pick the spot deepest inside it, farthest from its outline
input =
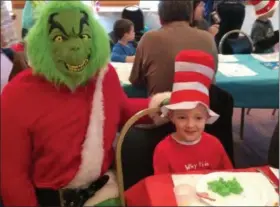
(123, 50)
(153, 68)
(198, 18)
(8, 33)
(232, 15)
(28, 15)
(263, 35)
(189, 148)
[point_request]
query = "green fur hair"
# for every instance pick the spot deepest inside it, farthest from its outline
(39, 51)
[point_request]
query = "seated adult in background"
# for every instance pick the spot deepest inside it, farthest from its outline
(123, 50)
(198, 18)
(155, 55)
(273, 152)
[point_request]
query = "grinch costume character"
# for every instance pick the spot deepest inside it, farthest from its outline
(60, 117)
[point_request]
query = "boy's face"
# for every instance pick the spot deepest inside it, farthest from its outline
(130, 36)
(189, 123)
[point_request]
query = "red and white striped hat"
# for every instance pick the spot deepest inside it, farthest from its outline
(194, 71)
(262, 7)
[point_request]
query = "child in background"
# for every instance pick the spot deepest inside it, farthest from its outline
(262, 34)
(190, 148)
(123, 50)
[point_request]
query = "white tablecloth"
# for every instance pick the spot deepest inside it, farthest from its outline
(253, 178)
(123, 70)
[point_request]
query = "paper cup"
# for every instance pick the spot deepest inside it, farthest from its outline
(185, 195)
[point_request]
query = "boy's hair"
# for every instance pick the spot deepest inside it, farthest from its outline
(121, 27)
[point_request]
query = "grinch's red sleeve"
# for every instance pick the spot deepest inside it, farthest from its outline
(160, 162)
(16, 185)
(129, 106)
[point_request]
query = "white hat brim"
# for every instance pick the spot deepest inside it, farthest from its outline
(271, 10)
(190, 105)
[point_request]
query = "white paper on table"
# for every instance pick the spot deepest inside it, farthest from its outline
(275, 171)
(227, 58)
(6, 68)
(272, 57)
(249, 177)
(123, 70)
(235, 70)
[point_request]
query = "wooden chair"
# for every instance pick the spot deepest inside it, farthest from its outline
(125, 129)
(241, 45)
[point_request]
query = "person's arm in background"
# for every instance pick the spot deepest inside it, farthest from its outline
(20, 64)
(16, 184)
(118, 55)
(214, 29)
(268, 43)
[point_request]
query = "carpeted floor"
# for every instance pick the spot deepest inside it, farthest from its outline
(258, 129)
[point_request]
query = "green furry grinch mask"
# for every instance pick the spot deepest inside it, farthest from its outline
(66, 44)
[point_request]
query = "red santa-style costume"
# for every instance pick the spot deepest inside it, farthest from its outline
(263, 7)
(61, 139)
(194, 71)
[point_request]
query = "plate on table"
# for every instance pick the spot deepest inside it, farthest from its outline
(236, 190)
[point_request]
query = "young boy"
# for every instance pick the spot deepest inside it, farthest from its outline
(262, 34)
(123, 50)
(190, 148)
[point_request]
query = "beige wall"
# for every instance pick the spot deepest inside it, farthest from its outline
(152, 20)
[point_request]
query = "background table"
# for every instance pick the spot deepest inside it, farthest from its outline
(158, 190)
(260, 91)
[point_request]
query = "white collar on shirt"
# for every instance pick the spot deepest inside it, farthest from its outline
(186, 143)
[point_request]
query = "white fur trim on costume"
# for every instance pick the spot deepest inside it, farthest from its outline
(109, 191)
(194, 67)
(190, 86)
(92, 152)
(158, 98)
(155, 102)
(189, 105)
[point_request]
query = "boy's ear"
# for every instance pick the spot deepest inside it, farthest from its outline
(170, 115)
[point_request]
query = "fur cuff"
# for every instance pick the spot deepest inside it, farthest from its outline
(109, 191)
(155, 102)
(158, 98)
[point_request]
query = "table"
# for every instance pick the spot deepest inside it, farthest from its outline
(158, 190)
(260, 91)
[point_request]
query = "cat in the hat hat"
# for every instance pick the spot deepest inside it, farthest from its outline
(263, 34)
(189, 147)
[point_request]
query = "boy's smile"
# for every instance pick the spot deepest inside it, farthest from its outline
(189, 123)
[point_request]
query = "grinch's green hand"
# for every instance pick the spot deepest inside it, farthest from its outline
(165, 102)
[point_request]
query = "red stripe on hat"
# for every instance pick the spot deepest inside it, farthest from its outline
(266, 8)
(255, 2)
(196, 56)
(183, 77)
(189, 96)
